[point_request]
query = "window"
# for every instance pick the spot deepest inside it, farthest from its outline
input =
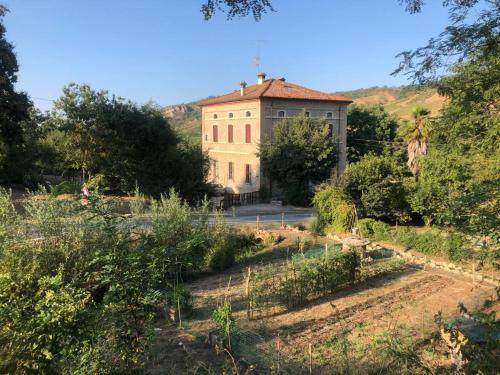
(230, 170)
(248, 133)
(281, 114)
(230, 134)
(230, 115)
(206, 137)
(307, 113)
(215, 133)
(248, 113)
(329, 115)
(215, 115)
(215, 169)
(330, 130)
(248, 174)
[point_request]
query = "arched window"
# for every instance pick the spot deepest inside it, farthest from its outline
(230, 115)
(248, 113)
(329, 114)
(281, 114)
(215, 115)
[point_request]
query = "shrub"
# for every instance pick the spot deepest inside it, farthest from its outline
(454, 247)
(315, 227)
(180, 295)
(65, 187)
(221, 254)
(223, 319)
(374, 229)
(365, 227)
(333, 208)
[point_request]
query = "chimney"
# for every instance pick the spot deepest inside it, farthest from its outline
(261, 77)
(242, 88)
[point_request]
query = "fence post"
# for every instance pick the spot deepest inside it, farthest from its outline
(283, 220)
(249, 304)
(258, 219)
(179, 311)
(326, 251)
(310, 359)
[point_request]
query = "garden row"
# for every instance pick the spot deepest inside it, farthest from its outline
(302, 279)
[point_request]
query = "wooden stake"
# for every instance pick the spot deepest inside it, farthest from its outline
(179, 311)
(249, 304)
(258, 219)
(279, 348)
(282, 220)
(326, 251)
(310, 359)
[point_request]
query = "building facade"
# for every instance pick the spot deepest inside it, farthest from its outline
(234, 125)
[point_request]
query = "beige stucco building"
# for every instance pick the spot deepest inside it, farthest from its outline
(233, 126)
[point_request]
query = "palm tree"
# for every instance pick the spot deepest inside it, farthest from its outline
(416, 134)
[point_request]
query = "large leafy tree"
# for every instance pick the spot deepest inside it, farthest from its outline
(370, 130)
(459, 183)
(14, 112)
(376, 184)
(298, 153)
(102, 135)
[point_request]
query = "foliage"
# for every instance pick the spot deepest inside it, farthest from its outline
(119, 145)
(416, 134)
(374, 229)
(223, 319)
(458, 182)
(302, 279)
(370, 130)
(474, 29)
(15, 115)
(452, 245)
(80, 285)
(236, 8)
(65, 187)
(180, 295)
(299, 152)
(376, 184)
(315, 227)
(333, 208)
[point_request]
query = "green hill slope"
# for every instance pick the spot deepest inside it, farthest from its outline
(400, 101)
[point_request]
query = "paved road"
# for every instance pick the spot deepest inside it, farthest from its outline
(269, 218)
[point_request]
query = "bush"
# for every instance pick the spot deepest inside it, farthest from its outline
(65, 187)
(315, 227)
(180, 295)
(374, 229)
(365, 227)
(454, 247)
(223, 319)
(333, 208)
(221, 255)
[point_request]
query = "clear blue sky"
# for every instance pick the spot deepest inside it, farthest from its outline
(163, 50)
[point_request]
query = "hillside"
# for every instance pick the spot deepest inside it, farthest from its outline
(400, 101)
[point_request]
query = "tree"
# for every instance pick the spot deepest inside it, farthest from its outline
(377, 187)
(474, 30)
(236, 8)
(14, 109)
(299, 152)
(370, 130)
(458, 183)
(112, 139)
(416, 134)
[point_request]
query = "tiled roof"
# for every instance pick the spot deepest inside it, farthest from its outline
(275, 88)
